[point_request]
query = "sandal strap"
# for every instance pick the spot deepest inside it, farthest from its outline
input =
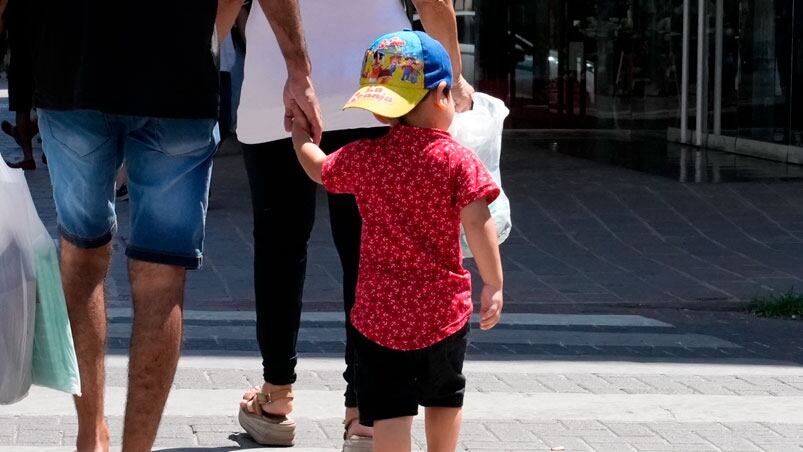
(271, 397)
(347, 425)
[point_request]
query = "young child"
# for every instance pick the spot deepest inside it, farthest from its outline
(414, 187)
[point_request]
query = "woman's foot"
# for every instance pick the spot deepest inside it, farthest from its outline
(263, 415)
(27, 164)
(277, 400)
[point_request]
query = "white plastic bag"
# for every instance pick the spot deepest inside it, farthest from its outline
(36, 344)
(480, 130)
(17, 286)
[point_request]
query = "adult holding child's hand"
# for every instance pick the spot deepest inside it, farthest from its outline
(336, 33)
(299, 98)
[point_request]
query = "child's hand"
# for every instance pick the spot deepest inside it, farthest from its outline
(301, 128)
(491, 306)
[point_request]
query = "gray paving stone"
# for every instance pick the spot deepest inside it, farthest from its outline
(227, 378)
(476, 431)
(215, 428)
(201, 420)
(559, 383)
(496, 446)
(549, 427)
(666, 386)
(38, 437)
(782, 447)
(629, 429)
(792, 431)
(522, 383)
(192, 379)
(7, 429)
(511, 432)
(570, 443)
(650, 444)
(212, 439)
(589, 425)
(167, 430)
(174, 442)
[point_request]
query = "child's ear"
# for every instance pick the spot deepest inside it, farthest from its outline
(441, 96)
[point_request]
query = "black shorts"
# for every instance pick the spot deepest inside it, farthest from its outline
(392, 383)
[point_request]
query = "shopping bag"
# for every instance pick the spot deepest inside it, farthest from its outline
(45, 350)
(480, 129)
(54, 361)
(17, 286)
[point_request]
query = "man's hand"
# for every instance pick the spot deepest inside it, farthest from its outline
(300, 128)
(299, 96)
(462, 91)
(491, 306)
(285, 21)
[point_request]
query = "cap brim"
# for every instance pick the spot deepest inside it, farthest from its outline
(390, 102)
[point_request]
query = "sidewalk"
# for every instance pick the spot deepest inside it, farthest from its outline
(650, 380)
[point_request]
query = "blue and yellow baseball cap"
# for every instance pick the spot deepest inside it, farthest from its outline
(398, 71)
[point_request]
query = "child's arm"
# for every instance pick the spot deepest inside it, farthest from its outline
(481, 235)
(309, 154)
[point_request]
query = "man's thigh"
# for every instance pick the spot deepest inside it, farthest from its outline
(84, 153)
(169, 164)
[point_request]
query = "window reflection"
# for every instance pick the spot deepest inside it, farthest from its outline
(616, 64)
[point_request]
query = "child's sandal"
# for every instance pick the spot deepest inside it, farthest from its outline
(355, 443)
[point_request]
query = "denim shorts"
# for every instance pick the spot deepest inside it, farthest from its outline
(169, 165)
(393, 383)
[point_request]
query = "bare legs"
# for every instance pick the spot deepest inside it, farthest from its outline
(83, 272)
(442, 428)
(393, 435)
(155, 343)
(158, 292)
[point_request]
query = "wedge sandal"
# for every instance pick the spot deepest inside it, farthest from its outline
(265, 428)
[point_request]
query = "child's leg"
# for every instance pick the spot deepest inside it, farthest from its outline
(443, 428)
(393, 435)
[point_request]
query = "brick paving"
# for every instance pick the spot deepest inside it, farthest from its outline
(200, 432)
(520, 382)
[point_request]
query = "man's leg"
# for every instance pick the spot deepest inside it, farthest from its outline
(83, 272)
(84, 160)
(158, 295)
(169, 165)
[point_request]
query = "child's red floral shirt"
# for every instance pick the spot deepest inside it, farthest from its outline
(410, 185)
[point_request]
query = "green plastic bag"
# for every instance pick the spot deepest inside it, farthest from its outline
(54, 361)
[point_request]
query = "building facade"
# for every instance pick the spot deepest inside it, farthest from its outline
(719, 73)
